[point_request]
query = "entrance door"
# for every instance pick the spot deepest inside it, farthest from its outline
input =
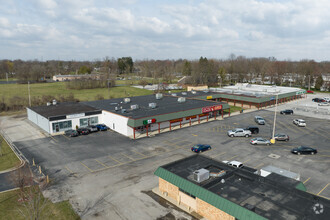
(57, 128)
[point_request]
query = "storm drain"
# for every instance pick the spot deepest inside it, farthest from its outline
(274, 156)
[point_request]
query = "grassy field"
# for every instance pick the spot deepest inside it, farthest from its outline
(8, 158)
(9, 206)
(59, 88)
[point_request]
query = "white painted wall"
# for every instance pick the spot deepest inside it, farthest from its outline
(117, 123)
(39, 120)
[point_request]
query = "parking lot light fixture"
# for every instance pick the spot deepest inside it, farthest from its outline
(273, 136)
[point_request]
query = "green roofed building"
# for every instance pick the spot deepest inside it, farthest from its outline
(216, 190)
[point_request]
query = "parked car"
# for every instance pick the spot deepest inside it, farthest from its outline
(102, 127)
(287, 112)
(281, 137)
(200, 148)
(233, 163)
(299, 122)
(318, 100)
(253, 129)
(303, 150)
(324, 104)
(327, 99)
(239, 132)
(259, 140)
(71, 133)
(310, 91)
(92, 128)
(259, 120)
(83, 131)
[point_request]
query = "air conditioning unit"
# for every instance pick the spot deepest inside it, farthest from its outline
(184, 93)
(181, 99)
(127, 100)
(159, 96)
(48, 103)
(135, 106)
(54, 102)
(152, 105)
(174, 94)
(123, 111)
(201, 175)
(193, 92)
(116, 108)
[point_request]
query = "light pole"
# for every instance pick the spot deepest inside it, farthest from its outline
(29, 93)
(273, 138)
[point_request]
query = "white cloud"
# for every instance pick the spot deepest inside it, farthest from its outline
(185, 29)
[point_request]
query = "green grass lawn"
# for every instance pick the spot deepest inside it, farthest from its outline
(8, 158)
(9, 207)
(59, 88)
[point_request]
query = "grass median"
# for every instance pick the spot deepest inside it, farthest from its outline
(10, 207)
(8, 158)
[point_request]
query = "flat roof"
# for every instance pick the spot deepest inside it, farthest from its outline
(275, 197)
(64, 108)
(166, 105)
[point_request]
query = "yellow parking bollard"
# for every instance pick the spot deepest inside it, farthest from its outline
(40, 169)
(33, 163)
(47, 179)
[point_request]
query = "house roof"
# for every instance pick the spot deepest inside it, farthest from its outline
(243, 194)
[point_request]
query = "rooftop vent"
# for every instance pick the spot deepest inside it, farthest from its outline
(201, 175)
(193, 92)
(174, 94)
(54, 102)
(181, 99)
(123, 111)
(152, 105)
(116, 108)
(48, 103)
(184, 93)
(135, 106)
(127, 100)
(159, 96)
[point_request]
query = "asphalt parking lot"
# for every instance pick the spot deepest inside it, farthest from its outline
(97, 160)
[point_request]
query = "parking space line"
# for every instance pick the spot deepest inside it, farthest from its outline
(214, 156)
(246, 161)
(232, 157)
(128, 157)
(70, 171)
(322, 155)
(317, 133)
(65, 136)
(323, 189)
(115, 160)
(306, 180)
(101, 163)
(87, 167)
(53, 138)
(194, 135)
(144, 156)
(259, 165)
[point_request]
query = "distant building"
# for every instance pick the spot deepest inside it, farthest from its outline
(60, 78)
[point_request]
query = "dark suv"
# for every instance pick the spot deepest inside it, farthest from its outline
(318, 100)
(287, 112)
(253, 129)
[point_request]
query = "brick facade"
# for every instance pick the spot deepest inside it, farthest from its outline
(204, 209)
(210, 212)
(172, 191)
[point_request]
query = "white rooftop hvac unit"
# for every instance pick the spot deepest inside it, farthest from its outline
(159, 96)
(193, 92)
(54, 102)
(201, 175)
(136, 106)
(48, 103)
(152, 105)
(127, 100)
(184, 93)
(181, 99)
(174, 94)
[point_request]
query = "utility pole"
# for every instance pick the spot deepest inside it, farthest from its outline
(29, 93)
(273, 136)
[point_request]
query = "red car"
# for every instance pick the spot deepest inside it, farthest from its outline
(310, 91)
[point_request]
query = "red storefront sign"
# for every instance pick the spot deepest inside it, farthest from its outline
(211, 108)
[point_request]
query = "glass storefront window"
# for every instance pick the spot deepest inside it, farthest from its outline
(89, 121)
(62, 126)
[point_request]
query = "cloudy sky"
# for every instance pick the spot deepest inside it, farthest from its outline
(168, 29)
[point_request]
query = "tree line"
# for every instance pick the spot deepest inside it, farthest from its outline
(200, 71)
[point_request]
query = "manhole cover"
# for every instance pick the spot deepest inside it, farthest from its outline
(274, 156)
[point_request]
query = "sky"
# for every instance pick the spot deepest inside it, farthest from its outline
(92, 30)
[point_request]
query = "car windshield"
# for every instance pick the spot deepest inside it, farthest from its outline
(302, 121)
(195, 147)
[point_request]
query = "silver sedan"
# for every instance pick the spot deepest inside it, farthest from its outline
(259, 140)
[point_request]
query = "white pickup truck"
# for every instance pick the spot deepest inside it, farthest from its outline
(239, 132)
